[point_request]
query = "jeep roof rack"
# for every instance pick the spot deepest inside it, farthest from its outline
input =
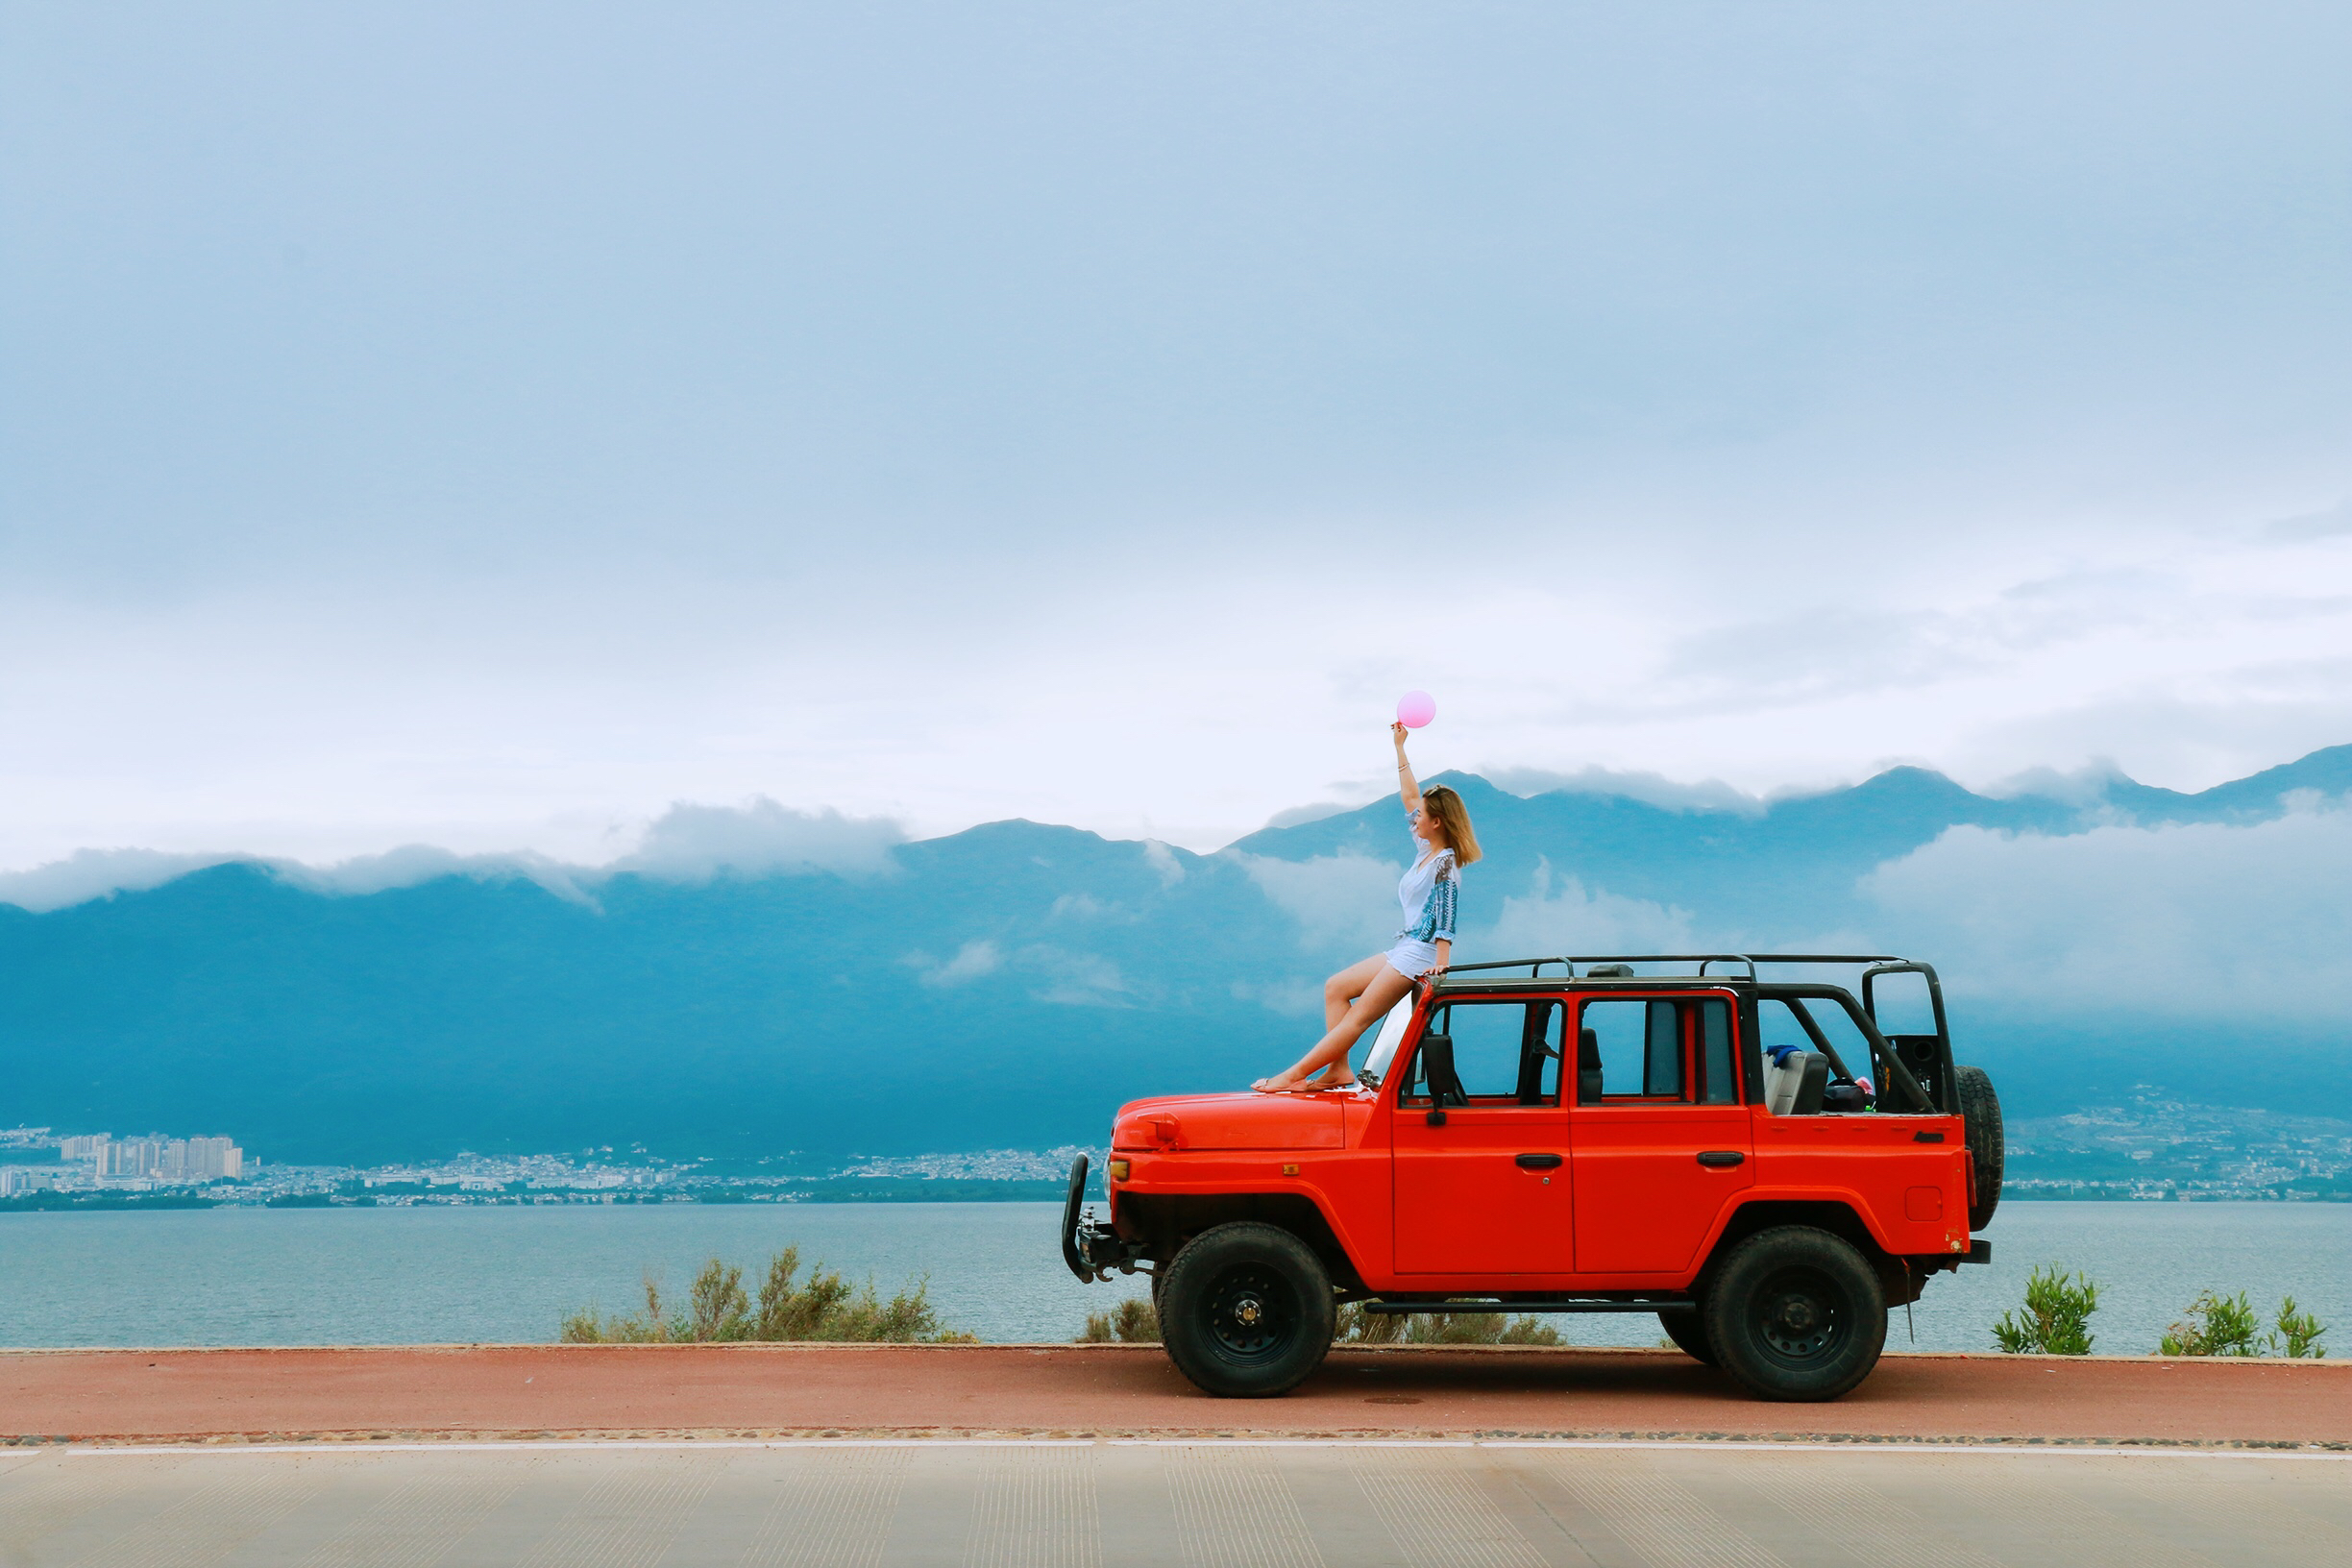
(1885, 1054)
(1534, 966)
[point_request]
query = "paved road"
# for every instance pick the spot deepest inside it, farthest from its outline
(1199, 1504)
(904, 1391)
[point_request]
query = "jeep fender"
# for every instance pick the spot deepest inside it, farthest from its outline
(1836, 1209)
(1164, 1220)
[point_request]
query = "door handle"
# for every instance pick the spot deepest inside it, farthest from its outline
(1721, 1157)
(1539, 1161)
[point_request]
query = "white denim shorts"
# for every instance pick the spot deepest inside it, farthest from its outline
(1412, 959)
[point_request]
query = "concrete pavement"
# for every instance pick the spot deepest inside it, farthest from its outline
(1201, 1504)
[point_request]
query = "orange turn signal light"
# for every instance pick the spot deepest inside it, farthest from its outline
(1119, 1170)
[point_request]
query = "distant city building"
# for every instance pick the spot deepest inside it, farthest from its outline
(20, 1179)
(157, 1159)
(213, 1159)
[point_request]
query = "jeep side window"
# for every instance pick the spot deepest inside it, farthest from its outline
(1846, 1038)
(1777, 1026)
(1656, 1048)
(1718, 1067)
(1505, 1052)
(1778, 1023)
(1640, 1045)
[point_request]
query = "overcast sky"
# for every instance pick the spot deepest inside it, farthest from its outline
(487, 425)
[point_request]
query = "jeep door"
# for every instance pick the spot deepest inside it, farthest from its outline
(1662, 1143)
(1481, 1176)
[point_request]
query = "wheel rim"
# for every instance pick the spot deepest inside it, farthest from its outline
(1252, 1316)
(1802, 1316)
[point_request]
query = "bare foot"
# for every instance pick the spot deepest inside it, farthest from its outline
(1327, 1082)
(1275, 1086)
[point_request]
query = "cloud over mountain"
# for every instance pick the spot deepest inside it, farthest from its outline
(2226, 923)
(758, 978)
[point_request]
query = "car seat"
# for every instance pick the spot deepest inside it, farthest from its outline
(1588, 1067)
(1795, 1081)
(1445, 1087)
(1812, 1086)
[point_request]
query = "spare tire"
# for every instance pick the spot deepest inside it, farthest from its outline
(1980, 1110)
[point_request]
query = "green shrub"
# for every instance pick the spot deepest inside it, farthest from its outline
(822, 1305)
(1131, 1322)
(2055, 1319)
(2298, 1334)
(2215, 1326)
(1357, 1327)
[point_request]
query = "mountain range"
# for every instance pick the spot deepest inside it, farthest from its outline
(1010, 985)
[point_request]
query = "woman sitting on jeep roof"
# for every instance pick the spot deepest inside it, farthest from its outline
(1361, 995)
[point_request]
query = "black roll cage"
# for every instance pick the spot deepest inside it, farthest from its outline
(1610, 969)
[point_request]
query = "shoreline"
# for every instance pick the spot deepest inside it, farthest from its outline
(142, 1203)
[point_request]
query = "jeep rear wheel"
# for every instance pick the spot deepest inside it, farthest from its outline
(1688, 1332)
(1988, 1145)
(1796, 1313)
(1246, 1310)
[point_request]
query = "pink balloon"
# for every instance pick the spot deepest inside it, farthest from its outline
(1415, 709)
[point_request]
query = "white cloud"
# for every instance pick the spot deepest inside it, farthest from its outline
(95, 873)
(2205, 920)
(686, 844)
(412, 864)
(98, 873)
(1558, 915)
(972, 960)
(1346, 899)
(1296, 997)
(1059, 976)
(1074, 979)
(1651, 788)
(1301, 816)
(1163, 860)
(2331, 523)
(694, 844)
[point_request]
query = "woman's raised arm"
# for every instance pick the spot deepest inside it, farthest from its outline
(1409, 788)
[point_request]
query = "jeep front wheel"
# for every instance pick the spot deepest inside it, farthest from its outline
(1246, 1310)
(1796, 1313)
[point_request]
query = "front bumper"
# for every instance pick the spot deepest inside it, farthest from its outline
(1092, 1250)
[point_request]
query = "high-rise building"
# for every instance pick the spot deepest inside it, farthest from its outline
(158, 1158)
(213, 1159)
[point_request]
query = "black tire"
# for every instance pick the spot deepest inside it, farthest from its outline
(1987, 1143)
(1247, 1311)
(1689, 1335)
(1796, 1313)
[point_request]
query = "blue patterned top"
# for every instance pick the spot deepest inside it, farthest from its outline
(1427, 894)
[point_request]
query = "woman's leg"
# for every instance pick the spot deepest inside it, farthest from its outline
(1345, 987)
(1385, 990)
(1339, 992)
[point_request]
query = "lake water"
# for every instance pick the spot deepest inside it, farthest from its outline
(441, 1275)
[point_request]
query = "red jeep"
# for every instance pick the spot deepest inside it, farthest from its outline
(1713, 1156)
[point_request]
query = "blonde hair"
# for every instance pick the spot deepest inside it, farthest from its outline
(1453, 817)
